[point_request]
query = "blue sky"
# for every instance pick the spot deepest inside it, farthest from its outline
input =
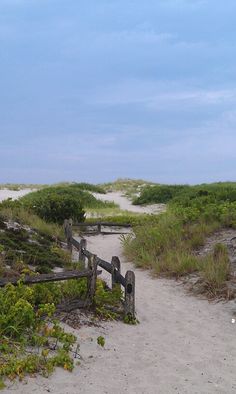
(95, 90)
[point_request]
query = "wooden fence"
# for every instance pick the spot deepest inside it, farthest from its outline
(113, 268)
(99, 226)
(90, 272)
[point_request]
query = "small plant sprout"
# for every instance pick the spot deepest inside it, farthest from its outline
(101, 341)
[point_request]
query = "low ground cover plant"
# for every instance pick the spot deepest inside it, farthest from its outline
(31, 340)
(18, 253)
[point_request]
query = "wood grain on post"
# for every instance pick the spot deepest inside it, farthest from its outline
(83, 246)
(99, 228)
(68, 233)
(130, 294)
(92, 266)
(65, 226)
(115, 265)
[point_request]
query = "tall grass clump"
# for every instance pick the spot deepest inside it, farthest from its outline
(215, 268)
(151, 242)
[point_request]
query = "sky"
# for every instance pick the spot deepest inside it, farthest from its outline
(99, 90)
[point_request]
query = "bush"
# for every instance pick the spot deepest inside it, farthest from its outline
(53, 207)
(158, 194)
(54, 204)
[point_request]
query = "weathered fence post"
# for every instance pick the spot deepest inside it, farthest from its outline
(92, 266)
(83, 246)
(130, 294)
(115, 267)
(68, 233)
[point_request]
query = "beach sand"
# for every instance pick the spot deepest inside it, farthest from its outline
(5, 193)
(183, 344)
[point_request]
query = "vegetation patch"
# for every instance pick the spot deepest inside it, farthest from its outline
(169, 244)
(131, 218)
(21, 247)
(31, 340)
(158, 194)
(54, 204)
(129, 187)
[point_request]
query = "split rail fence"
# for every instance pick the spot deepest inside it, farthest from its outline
(99, 225)
(90, 271)
(113, 268)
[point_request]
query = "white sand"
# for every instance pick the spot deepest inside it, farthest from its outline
(126, 204)
(182, 345)
(5, 193)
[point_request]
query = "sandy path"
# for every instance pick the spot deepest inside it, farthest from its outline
(5, 193)
(126, 204)
(182, 345)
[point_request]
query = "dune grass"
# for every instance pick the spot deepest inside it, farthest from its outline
(26, 217)
(168, 246)
(215, 268)
(129, 187)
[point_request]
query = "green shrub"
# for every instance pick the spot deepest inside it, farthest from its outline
(55, 204)
(158, 194)
(53, 207)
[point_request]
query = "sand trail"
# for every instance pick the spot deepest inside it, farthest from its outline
(183, 344)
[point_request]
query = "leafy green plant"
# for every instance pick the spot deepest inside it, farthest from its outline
(101, 341)
(107, 302)
(24, 323)
(129, 319)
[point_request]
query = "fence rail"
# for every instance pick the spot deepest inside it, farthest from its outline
(51, 277)
(99, 226)
(128, 282)
(90, 272)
